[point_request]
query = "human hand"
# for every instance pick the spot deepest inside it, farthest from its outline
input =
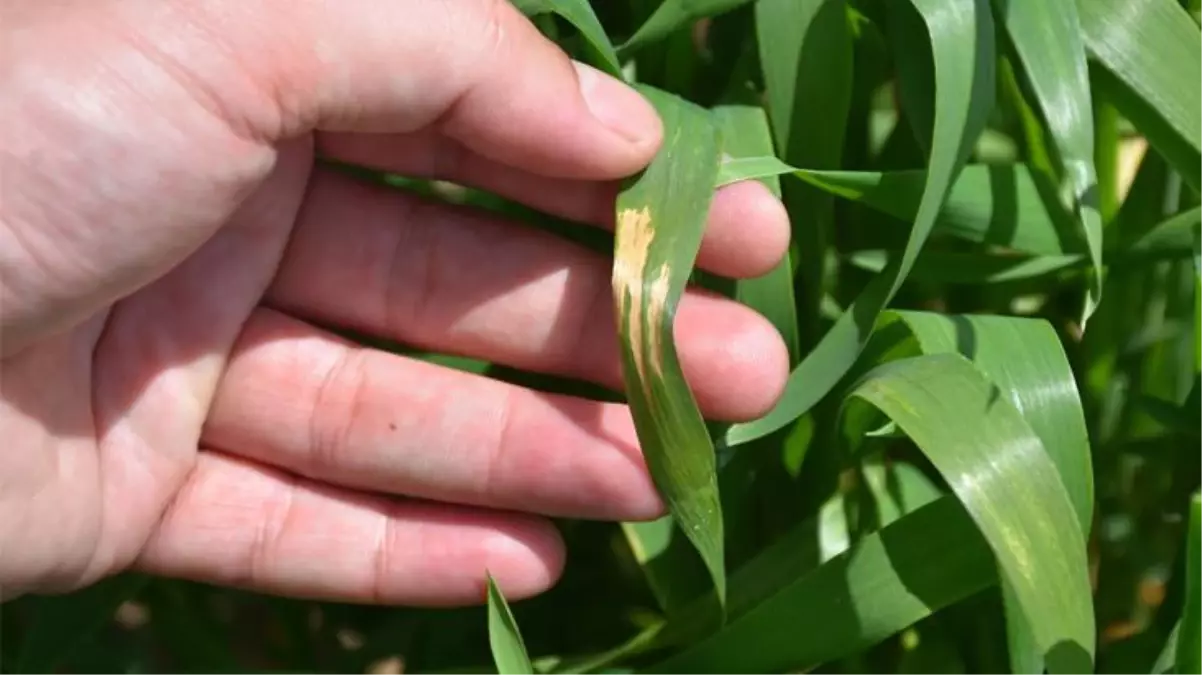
(169, 399)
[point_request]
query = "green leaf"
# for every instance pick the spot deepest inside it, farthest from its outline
(661, 215)
(998, 467)
(1189, 644)
(1135, 41)
(1025, 359)
(961, 35)
(1167, 659)
(805, 52)
(1047, 37)
(1000, 205)
(63, 622)
(891, 579)
(745, 133)
(671, 15)
(580, 14)
(508, 649)
(970, 268)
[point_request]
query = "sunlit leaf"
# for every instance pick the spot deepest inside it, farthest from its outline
(961, 35)
(1047, 37)
(1135, 41)
(998, 467)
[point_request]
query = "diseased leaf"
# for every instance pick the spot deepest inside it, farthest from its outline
(661, 215)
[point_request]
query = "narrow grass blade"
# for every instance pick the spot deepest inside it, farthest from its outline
(508, 649)
(745, 133)
(1167, 659)
(1047, 37)
(1189, 644)
(660, 219)
(1150, 48)
(805, 52)
(580, 14)
(671, 15)
(971, 268)
(1197, 307)
(1001, 204)
(961, 35)
(62, 622)
(998, 467)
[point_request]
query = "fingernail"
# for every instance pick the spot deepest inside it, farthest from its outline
(617, 106)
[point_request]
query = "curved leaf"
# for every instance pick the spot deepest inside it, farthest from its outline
(671, 15)
(998, 467)
(961, 36)
(580, 14)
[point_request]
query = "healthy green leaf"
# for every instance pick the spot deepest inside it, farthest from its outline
(961, 35)
(999, 205)
(661, 215)
(745, 133)
(1136, 41)
(580, 14)
(1024, 358)
(1167, 659)
(671, 15)
(1047, 37)
(970, 268)
(61, 623)
(893, 578)
(998, 467)
(805, 52)
(508, 649)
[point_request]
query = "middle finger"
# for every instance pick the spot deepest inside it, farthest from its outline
(455, 280)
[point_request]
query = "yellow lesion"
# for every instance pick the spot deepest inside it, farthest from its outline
(635, 235)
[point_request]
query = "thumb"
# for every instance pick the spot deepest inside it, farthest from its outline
(476, 70)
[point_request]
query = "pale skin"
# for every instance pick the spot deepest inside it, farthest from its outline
(172, 264)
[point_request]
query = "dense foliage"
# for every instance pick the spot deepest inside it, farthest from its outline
(987, 457)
